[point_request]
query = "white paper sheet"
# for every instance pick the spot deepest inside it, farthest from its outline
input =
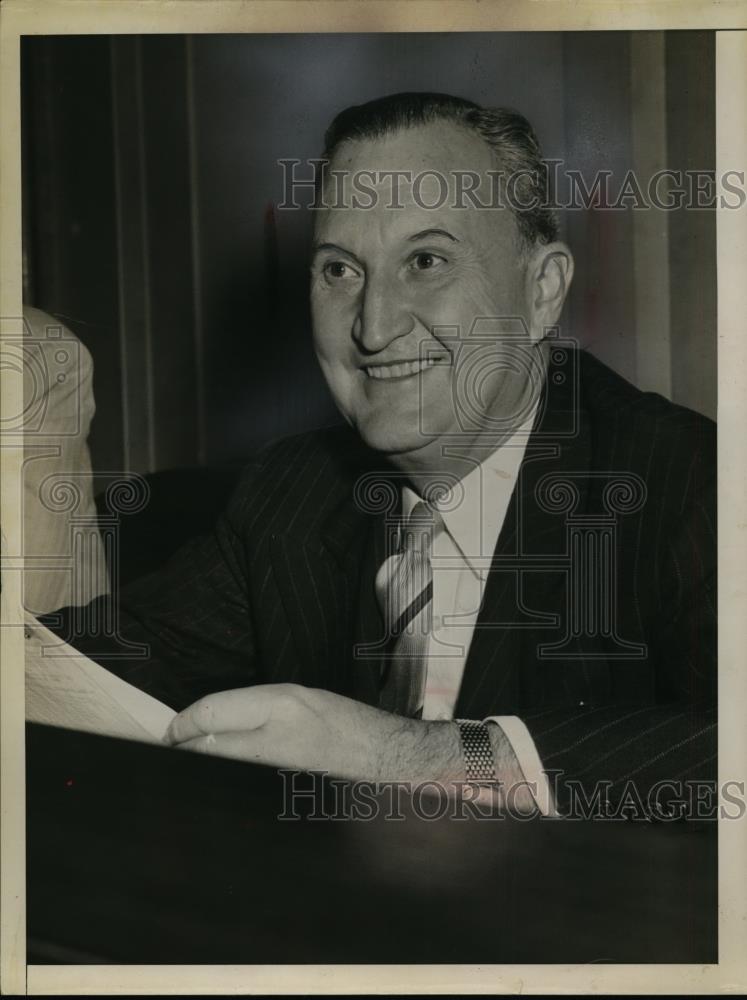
(65, 688)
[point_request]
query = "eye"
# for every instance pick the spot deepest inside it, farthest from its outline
(426, 261)
(338, 270)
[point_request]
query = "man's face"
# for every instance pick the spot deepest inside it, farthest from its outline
(408, 303)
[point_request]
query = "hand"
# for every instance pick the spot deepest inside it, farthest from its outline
(287, 725)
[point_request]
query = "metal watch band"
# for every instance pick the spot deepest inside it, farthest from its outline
(477, 750)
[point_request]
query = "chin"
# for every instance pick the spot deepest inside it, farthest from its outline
(392, 439)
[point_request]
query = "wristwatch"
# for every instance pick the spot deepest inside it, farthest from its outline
(477, 750)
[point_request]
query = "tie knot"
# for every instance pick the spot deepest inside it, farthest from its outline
(420, 528)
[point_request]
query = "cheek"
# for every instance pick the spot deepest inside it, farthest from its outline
(329, 334)
(332, 345)
(472, 295)
(491, 295)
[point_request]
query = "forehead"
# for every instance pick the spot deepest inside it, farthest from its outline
(438, 145)
(422, 171)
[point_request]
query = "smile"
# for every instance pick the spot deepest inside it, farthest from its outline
(401, 369)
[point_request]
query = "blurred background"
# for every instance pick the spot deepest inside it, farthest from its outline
(151, 226)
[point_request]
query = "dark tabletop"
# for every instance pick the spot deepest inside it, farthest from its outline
(138, 854)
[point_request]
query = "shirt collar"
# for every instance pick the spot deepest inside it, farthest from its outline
(474, 513)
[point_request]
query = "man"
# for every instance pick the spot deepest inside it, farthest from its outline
(507, 532)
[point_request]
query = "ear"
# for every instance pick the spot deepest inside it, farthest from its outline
(549, 274)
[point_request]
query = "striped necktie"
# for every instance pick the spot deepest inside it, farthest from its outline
(404, 589)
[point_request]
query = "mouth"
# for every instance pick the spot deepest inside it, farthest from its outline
(402, 369)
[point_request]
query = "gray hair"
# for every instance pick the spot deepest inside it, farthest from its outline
(508, 134)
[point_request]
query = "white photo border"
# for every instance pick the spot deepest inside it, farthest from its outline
(50, 17)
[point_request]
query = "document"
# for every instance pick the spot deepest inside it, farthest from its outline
(65, 688)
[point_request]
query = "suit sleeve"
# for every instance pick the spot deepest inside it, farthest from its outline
(656, 753)
(184, 631)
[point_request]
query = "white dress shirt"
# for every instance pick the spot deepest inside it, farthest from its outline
(473, 515)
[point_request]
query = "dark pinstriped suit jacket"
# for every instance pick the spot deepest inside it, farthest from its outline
(282, 589)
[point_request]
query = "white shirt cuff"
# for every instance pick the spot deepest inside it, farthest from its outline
(529, 761)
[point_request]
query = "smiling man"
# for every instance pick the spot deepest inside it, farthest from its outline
(505, 564)
(386, 281)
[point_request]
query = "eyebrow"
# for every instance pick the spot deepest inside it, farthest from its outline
(423, 234)
(432, 232)
(319, 247)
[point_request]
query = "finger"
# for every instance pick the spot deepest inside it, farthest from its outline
(247, 746)
(222, 712)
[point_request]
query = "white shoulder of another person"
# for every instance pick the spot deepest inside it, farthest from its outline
(58, 374)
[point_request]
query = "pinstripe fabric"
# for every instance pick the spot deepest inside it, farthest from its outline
(594, 719)
(283, 590)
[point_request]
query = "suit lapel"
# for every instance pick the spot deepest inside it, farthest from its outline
(315, 600)
(527, 574)
(326, 582)
(317, 576)
(371, 643)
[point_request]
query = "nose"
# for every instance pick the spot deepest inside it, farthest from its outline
(382, 317)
